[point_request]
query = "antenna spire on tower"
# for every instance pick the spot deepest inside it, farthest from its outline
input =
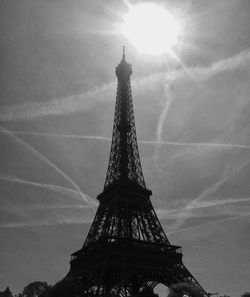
(123, 52)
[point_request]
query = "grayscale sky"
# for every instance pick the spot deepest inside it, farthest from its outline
(193, 125)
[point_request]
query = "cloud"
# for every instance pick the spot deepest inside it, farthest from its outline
(57, 106)
(202, 209)
(90, 202)
(87, 100)
(229, 171)
(187, 211)
(45, 215)
(189, 83)
(150, 142)
(74, 219)
(48, 207)
(211, 203)
(33, 224)
(60, 135)
(65, 191)
(208, 224)
(231, 63)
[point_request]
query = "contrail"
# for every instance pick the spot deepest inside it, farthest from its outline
(60, 189)
(152, 142)
(175, 214)
(40, 207)
(47, 207)
(60, 135)
(211, 203)
(38, 224)
(86, 100)
(208, 224)
(57, 106)
(205, 144)
(159, 129)
(162, 119)
(163, 115)
(196, 74)
(52, 165)
(228, 172)
(222, 249)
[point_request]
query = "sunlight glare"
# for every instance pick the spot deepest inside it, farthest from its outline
(151, 29)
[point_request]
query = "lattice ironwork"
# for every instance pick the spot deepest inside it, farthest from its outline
(124, 163)
(130, 218)
(126, 250)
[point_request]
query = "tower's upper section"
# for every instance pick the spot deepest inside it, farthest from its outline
(124, 163)
(124, 70)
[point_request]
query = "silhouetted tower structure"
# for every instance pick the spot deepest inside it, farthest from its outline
(126, 250)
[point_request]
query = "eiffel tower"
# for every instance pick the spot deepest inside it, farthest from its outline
(126, 249)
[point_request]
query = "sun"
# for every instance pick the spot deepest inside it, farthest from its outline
(151, 28)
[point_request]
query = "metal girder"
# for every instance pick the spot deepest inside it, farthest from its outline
(124, 162)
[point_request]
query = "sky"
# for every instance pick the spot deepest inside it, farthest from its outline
(192, 115)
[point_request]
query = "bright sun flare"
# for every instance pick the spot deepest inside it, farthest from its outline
(151, 29)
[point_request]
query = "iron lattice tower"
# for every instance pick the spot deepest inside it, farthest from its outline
(126, 249)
